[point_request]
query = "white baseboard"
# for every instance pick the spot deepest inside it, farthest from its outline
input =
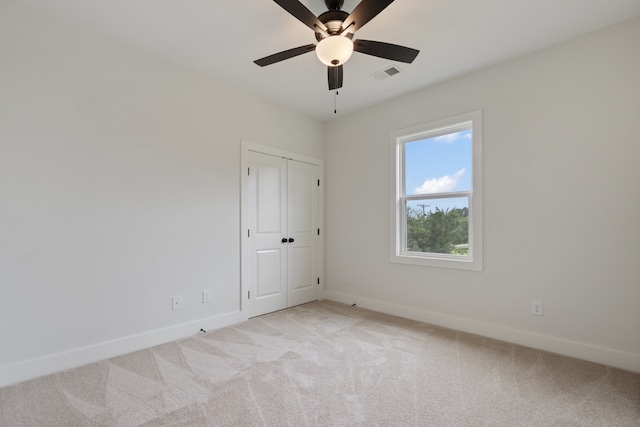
(34, 368)
(591, 353)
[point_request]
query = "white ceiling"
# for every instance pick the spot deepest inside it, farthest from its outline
(223, 38)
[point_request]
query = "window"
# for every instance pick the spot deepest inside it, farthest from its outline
(436, 214)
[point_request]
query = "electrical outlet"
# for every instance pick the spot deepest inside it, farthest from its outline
(536, 308)
(176, 303)
(206, 296)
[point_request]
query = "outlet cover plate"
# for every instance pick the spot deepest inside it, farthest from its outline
(536, 308)
(206, 296)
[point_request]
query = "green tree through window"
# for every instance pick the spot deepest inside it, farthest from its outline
(440, 231)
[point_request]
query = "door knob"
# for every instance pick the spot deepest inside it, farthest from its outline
(284, 240)
(290, 240)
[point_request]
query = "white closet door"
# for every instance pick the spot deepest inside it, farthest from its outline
(302, 226)
(268, 215)
(283, 234)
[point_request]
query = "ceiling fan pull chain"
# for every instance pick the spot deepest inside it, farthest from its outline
(335, 102)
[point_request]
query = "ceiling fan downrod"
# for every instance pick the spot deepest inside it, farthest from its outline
(334, 4)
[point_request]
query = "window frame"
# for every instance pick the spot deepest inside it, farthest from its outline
(399, 139)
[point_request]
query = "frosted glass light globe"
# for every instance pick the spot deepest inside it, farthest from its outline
(334, 50)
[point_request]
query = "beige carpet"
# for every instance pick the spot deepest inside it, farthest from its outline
(327, 364)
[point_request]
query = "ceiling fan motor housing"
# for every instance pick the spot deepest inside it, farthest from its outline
(333, 19)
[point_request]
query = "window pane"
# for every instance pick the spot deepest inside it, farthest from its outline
(440, 164)
(438, 226)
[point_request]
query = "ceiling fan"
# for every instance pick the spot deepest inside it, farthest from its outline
(334, 30)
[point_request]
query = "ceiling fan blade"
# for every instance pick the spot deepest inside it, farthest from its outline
(335, 75)
(364, 12)
(304, 15)
(386, 50)
(286, 54)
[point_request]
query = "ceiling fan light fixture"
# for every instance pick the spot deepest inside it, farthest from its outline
(334, 50)
(334, 30)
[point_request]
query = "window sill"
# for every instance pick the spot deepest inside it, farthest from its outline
(463, 263)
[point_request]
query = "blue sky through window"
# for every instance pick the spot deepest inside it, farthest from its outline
(440, 164)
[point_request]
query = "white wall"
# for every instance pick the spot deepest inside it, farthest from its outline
(561, 202)
(119, 188)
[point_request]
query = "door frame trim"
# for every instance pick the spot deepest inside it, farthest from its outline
(246, 147)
